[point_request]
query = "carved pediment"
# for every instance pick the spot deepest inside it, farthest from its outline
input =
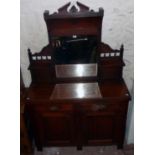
(72, 10)
(79, 7)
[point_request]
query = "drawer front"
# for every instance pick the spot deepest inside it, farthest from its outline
(97, 107)
(117, 108)
(54, 108)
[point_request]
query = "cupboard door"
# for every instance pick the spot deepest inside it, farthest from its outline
(58, 128)
(98, 127)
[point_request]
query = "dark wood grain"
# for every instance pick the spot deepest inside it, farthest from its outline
(67, 22)
(77, 104)
(107, 112)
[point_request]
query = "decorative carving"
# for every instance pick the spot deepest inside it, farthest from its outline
(45, 51)
(73, 9)
(105, 48)
(64, 8)
(82, 7)
(67, 9)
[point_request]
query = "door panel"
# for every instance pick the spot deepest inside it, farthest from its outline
(58, 128)
(55, 124)
(99, 128)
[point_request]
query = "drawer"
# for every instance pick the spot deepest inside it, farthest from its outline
(117, 108)
(94, 107)
(54, 107)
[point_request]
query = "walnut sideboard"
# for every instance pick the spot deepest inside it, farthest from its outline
(77, 96)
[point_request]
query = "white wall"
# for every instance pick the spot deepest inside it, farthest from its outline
(117, 29)
(129, 136)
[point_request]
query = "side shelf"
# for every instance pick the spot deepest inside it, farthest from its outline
(110, 65)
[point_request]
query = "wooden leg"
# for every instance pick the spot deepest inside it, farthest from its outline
(79, 148)
(25, 142)
(120, 146)
(39, 147)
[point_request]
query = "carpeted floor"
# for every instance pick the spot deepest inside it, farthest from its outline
(98, 150)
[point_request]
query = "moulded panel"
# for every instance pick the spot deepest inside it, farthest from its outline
(110, 72)
(41, 75)
(99, 128)
(58, 128)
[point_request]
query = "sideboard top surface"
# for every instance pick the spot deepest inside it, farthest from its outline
(110, 89)
(76, 91)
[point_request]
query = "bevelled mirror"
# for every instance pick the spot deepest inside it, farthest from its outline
(75, 49)
(74, 33)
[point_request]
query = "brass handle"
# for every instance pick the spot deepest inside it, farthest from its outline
(98, 107)
(54, 108)
(102, 106)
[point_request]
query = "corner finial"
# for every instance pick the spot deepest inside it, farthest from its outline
(46, 13)
(101, 11)
(121, 50)
(29, 50)
(122, 47)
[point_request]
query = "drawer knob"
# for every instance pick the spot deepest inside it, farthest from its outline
(97, 107)
(103, 106)
(54, 108)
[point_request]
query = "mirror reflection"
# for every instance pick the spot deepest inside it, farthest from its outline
(76, 70)
(75, 49)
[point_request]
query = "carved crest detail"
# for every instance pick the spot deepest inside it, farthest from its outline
(73, 9)
(70, 10)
